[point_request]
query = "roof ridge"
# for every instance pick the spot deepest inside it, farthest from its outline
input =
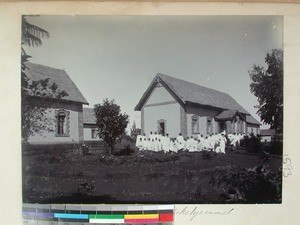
(158, 74)
(37, 64)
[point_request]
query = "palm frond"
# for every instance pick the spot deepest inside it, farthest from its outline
(31, 34)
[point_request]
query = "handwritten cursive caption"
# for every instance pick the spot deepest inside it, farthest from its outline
(287, 166)
(193, 212)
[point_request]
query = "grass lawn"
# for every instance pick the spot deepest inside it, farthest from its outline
(55, 176)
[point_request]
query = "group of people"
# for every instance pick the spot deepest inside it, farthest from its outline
(157, 142)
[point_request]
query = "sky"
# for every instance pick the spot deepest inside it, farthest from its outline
(116, 57)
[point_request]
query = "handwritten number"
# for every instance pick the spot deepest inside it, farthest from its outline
(287, 168)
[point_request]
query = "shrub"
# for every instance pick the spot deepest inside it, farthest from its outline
(85, 149)
(253, 185)
(85, 189)
(125, 151)
(265, 157)
(274, 147)
(208, 155)
(252, 143)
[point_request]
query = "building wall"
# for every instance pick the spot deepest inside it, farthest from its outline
(87, 131)
(203, 114)
(252, 128)
(266, 139)
(161, 106)
(170, 113)
(75, 134)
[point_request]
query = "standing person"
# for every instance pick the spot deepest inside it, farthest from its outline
(199, 145)
(222, 144)
(193, 145)
(152, 145)
(166, 143)
(151, 136)
(172, 145)
(188, 144)
(139, 139)
(211, 143)
(205, 145)
(159, 145)
(179, 142)
(146, 144)
(155, 135)
(140, 144)
(156, 145)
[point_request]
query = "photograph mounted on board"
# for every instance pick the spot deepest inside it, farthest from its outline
(152, 109)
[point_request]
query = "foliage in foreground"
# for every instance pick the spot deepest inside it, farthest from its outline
(253, 185)
(252, 144)
(110, 121)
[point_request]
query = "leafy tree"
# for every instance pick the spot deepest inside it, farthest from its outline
(267, 86)
(134, 131)
(110, 121)
(34, 119)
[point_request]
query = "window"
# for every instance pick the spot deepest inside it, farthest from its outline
(195, 124)
(208, 126)
(94, 133)
(162, 126)
(62, 123)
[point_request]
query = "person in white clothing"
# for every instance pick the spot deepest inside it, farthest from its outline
(159, 145)
(179, 142)
(165, 143)
(140, 144)
(222, 144)
(194, 145)
(151, 136)
(152, 145)
(199, 145)
(139, 139)
(146, 144)
(171, 145)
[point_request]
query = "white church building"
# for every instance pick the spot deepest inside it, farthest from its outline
(174, 106)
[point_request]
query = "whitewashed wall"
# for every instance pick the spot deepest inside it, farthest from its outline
(161, 106)
(75, 117)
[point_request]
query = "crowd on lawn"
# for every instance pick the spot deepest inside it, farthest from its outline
(213, 142)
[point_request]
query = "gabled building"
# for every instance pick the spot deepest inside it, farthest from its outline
(173, 106)
(89, 125)
(65, 114)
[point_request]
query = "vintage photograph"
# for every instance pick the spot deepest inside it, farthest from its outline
(152, 109)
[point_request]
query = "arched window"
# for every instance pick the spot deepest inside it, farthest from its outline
(62, 125)
(195, 124)
(208, 125)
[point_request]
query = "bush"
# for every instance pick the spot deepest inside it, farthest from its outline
(253, 185)
(125, 151)
(274, 147)
(85, 189)
(85, 149)
(208, 155)
(252, 143)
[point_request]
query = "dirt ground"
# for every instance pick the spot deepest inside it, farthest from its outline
(70, 177)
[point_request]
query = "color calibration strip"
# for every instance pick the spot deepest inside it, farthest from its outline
(108, 214)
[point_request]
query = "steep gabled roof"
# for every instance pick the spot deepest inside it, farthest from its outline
(37, 72)
(186, 92)
(252, 120)
(227, 114)
(89, 116)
